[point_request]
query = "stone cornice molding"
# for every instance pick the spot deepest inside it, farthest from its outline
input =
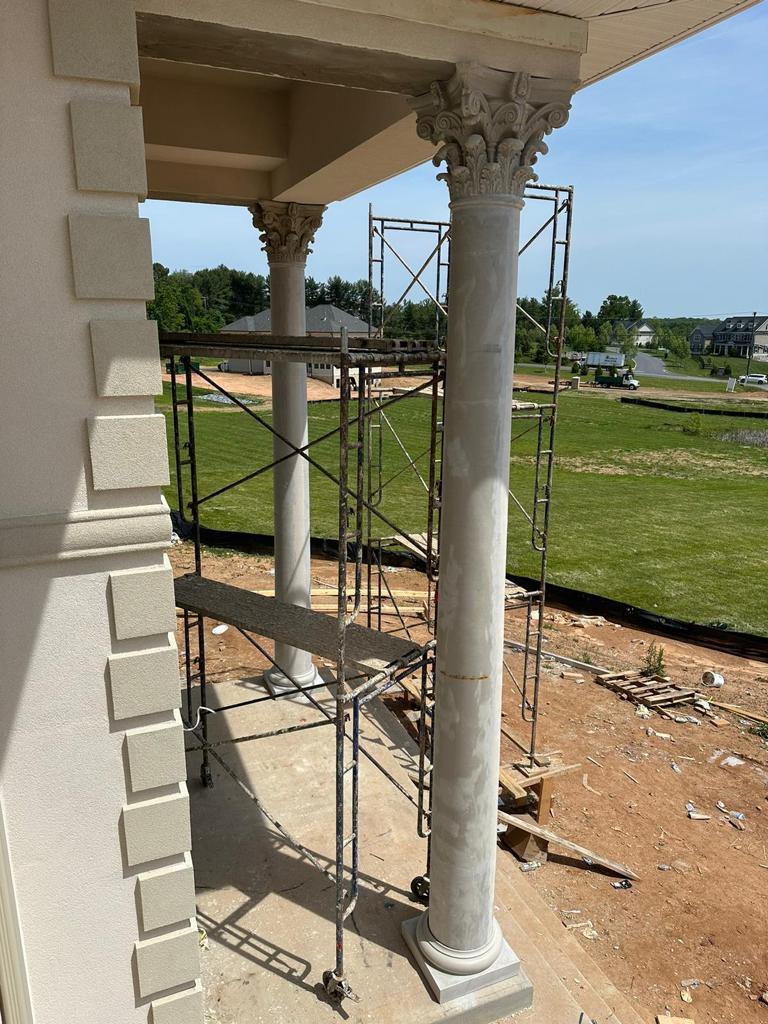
(40, 539)
(286, 229)
(491, 127)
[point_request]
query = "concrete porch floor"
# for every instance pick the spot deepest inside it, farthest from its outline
(268, 912)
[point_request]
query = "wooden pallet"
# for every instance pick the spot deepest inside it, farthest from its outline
(656, 692)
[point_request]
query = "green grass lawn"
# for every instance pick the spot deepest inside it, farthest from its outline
(644, 512)
(706, 384)
(690, 365)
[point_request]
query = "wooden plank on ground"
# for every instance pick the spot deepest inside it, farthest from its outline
(412, 690)
(611, 677)
(753, 716)
(527, 824)
(537, 775)
(511, 783)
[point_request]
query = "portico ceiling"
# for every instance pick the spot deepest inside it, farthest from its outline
(307, 100)
(623, 32)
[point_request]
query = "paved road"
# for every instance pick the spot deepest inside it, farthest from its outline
(652, 366)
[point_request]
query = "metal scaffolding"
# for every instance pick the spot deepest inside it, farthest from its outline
(368, 662)
(553, 231)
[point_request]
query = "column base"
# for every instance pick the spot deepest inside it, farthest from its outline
(509, 990)
(279, 685)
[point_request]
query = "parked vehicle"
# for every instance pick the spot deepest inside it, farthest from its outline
(753, 378)
(617, 380)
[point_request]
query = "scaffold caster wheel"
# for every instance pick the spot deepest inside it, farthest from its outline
(206, 776)
(338, 988)
(420, 888)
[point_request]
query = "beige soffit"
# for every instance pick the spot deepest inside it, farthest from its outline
(614, 33)
(15, 1005)
(624, 32)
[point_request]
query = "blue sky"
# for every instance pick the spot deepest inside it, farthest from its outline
(669, 160)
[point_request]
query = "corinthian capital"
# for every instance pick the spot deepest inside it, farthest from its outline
(286, 229)
(491, 127)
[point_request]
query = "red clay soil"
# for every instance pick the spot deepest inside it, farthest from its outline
(705, 919)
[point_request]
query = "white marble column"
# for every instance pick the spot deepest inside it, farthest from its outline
(287, 229)
(490, 125)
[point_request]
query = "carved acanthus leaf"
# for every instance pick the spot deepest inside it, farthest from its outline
(491, 128)
(286, 229)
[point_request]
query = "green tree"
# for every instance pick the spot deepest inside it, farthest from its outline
(581, 339)
(619, 307)
(215, 288)
(604, 336)
(678, 346)
(590, 320)
(178, 304)
(625, 341)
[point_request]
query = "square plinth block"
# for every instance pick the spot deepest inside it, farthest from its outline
(498, 991)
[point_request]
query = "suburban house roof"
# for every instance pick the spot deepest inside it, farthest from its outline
(322, 319)
(632, 325)
(707, 330)
(742, 323)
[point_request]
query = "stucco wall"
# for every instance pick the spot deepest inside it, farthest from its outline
(91, 760)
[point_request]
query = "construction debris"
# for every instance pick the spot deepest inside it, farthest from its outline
(695, 815)
(712, 679)
(731, 762)
(586, 785)
(527, 824)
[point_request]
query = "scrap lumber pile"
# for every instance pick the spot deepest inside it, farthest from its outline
(656, 692)
(660, 694)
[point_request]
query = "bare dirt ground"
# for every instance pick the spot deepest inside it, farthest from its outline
(704, 920)
(321, 391)
(260, 386)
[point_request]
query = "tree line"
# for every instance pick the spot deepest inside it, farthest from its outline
(204, 301)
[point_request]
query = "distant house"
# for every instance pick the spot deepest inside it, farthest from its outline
(641, 330)
(700, 338)
(321, 320)
(736, 335)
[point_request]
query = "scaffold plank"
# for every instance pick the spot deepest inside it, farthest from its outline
(366, 649)
(304, 348)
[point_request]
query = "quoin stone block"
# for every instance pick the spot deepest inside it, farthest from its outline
(95, 39)
(128, 451)
(111, 256)
(181, 1008)
(166, 896)
(108, 143)
(167, 961)
(156, 755)
(144, 682)
(142, 602)
(126, 358)
(157, 828)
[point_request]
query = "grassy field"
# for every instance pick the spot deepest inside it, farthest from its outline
(651, 507)
(706, 385)
(657, 383)
(691, 366)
